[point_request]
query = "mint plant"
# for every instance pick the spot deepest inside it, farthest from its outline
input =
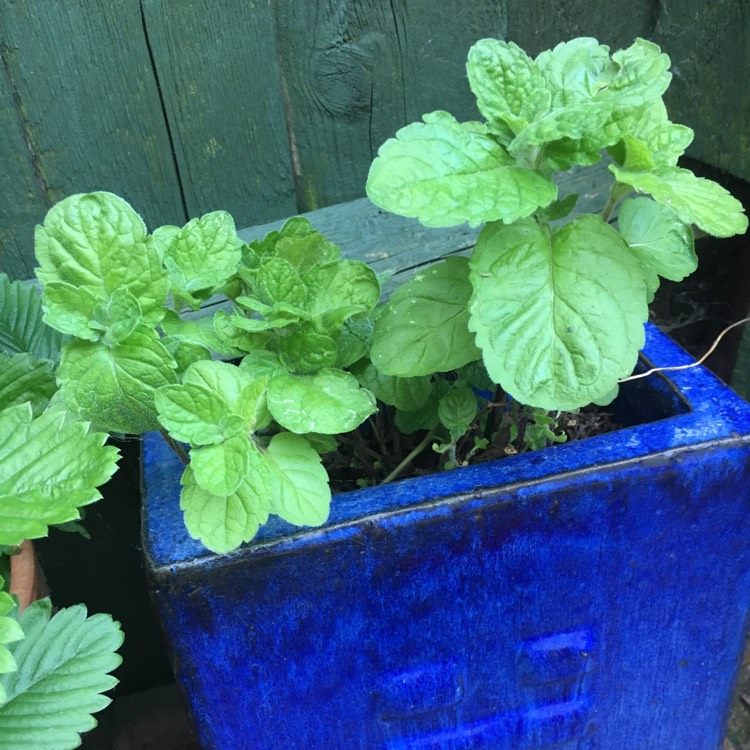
(138, 360)
(553, 305)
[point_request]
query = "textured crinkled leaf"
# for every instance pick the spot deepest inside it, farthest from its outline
(199, 331)
(25, 379)
(695, 200)
(576, 70)
(424, 327)
(261, 363)
(663, 243)
(552, 333)
(114, 386)
(221, 468)
(118, 316)
(642, 75)
(63, 668)
(329, 402)
(650, 125)
(424, 418)
(204, 255)
(403, 393)
(299, 482)
(72, 310)
(49, 467)
(277, 280)
(191, 413)
(305, 251)
(573, 121)
(232, 334)
(305, 351)
(354, 341)
(96, 242)
(223, 523)
(508, 85)
(341, 289)
(22, 328)
(457, 409)
(445, 174)
(198, 410)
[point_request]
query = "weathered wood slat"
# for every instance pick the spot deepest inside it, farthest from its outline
(356, 72)
(537, 25)
(709, 44)
(221, 87)
(89, 107)
(21, 195)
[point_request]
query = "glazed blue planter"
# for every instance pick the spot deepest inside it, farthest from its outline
(591, 596)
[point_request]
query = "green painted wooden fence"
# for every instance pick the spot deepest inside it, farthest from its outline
(270, 107)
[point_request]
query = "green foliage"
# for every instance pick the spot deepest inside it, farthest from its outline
(63, 665)
(10, 632)
(557, 311)
(50, 466)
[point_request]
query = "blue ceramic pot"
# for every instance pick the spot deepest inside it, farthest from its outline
(591, 595)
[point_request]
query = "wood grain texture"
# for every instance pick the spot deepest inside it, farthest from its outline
(88, 104)
(219, 78)
(709, 44)
(537, 25)
(22, 198)
(354, 73)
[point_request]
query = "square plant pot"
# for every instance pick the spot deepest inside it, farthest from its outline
(589, 596)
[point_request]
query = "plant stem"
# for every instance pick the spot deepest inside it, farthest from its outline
(618, 191)
(175, 446)
(428, 438)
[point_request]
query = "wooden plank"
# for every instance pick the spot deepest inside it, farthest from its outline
(356, 72)
(22, 199)
(394, 245)
(709, 44)
(219, 78)
(86, 92)
(537, 25)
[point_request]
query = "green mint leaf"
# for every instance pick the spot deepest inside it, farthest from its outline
(114, 386)
(576, 70)
(321, 443)
(559, 209)
(305, 351)
(339, 290)
(72, 310)
(223, 523)
(299, 483)
(161, 238)
(200, 332)
(261, 363)
(22, 328)
(221, 468)
(354, 341)
(328, 402)
(573, 121)
(118, 317)
(303, 252)
(695, 200)
(203, 256)
(457, 409)
(509, 87)
(198, 410)
(663, 244)
(277, 281)
(424, 327)
(424, 418)
(408, 394)
(50, 466)
(233, 335)
(642, 75)
(531, 310)
(25, 379)
(93, 245)
(445, 174)
(63, 668)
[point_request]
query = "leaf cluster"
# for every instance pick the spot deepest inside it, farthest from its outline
(553, 304)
